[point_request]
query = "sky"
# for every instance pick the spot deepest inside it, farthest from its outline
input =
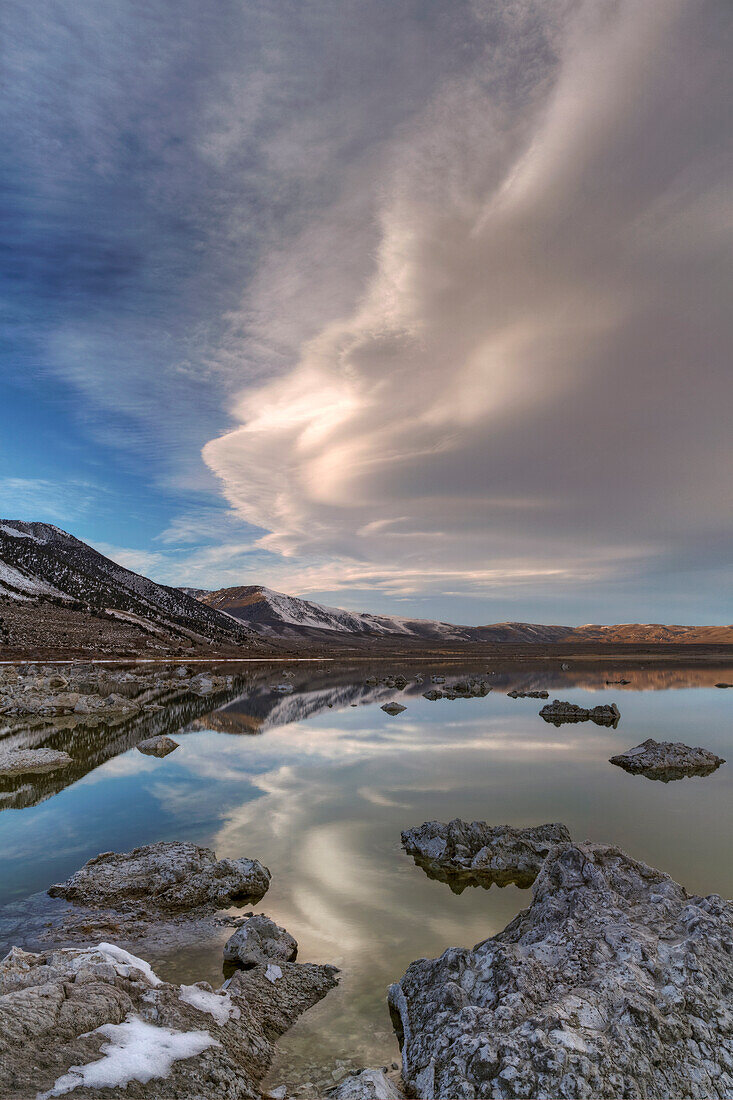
(400, 305)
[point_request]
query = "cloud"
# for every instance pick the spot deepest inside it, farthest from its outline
(534, 381)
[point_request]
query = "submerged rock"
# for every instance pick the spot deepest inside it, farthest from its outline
(393, 708)
(370, 1084)
(464, 853)
(667, 760)
(614, 982)
(558, 712)
(99, 1019)
(528, 694)
(157, 746)
(165, 877)
(260, 941)
(24, 761)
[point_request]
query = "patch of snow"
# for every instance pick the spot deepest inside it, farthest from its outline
(273, 973)
(15, 534)
(136, 1051)
(218, 1005)
(28, 585)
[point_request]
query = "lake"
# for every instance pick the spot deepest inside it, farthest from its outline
(321, 793)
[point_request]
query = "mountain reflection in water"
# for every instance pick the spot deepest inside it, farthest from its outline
(324, 789)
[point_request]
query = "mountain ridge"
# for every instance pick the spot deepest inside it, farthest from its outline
(41, 563)
(277, 615)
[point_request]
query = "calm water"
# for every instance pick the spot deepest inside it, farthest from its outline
(320, 795)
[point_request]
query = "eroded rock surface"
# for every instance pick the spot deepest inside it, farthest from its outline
(473, 853)
(370, 1084)
(559, 712)
(614, 982)
(667, 760)
(100, 1020)
(167, 877)
(528, 694)
(260, 941)
(157, 746)
(25, 761)
(393, 709)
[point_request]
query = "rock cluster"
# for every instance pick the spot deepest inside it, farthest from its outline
(667, 760)
(43, 691)
(166, 877)
(463, 689)
(464, 853)
(614, 982)
(259, 941)
(100, 1018)
(528, 694)
(559, 712)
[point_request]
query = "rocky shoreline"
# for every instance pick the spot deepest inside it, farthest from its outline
(613, 982)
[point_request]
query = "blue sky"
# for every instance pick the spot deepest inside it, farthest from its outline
(402, 306)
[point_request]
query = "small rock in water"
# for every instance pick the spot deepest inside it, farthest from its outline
(527, 694)
(393, 708)
(168, 876)
(474, 853)
(724, 685)
(667, 760)
(157, 746)
(260, 941)
(24, 761)
(559, 712)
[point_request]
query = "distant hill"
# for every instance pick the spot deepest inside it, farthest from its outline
(276, 615)
(83, 592)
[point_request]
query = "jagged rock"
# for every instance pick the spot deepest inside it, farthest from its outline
(260, 941)
(99, 1019)
(614, 982)
(370, 1084)
(157, 746)
(558, 712)
(23, 761)
(393, 708)
(432, 695)
(528, 694)
(165, 877)
(464, 853)
(667, 760)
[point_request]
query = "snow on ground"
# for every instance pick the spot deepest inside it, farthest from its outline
(218, 1005)
(11, 578)
(136, 1051)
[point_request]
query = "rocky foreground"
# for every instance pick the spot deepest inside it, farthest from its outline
(100, 1019)
(614, 982)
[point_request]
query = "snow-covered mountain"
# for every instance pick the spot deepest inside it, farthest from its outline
(42, 563)
(276, 615)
